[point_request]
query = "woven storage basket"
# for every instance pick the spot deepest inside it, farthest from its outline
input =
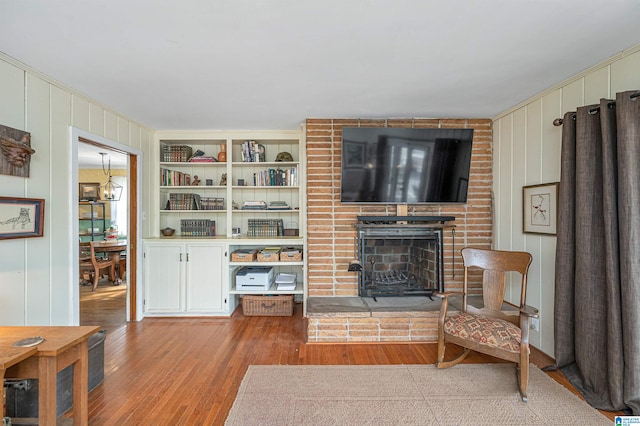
(254, 305)
(290, 254)
(244, 255)
(268, 256)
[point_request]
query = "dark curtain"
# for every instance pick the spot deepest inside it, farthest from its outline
(597, 281)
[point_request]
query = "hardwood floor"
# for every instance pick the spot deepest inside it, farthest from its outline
(186, 371)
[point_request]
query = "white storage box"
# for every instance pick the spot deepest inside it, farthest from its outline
(254, 278)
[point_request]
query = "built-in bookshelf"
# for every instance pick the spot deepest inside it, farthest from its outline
(250, 186)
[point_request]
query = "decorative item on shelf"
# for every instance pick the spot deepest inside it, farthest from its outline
(209, 182)
(284, 156)
(291, 229)
(223, 180)
(167, 232)
(240, 182)
(112, 191)
(196, 181)
(222, 155)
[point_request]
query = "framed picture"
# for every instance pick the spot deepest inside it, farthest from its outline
(354, 154)
(89, 191)
(21, 217)
(540, 208)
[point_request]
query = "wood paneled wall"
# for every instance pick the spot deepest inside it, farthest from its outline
(35, 273)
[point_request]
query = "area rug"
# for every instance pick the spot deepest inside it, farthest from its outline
(477, 394)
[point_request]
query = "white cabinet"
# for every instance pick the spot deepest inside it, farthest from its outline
(185, 278)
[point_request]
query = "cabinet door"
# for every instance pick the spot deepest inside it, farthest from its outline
(205, 278)
(163, 278)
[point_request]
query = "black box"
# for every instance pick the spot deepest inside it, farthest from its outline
(22, 394)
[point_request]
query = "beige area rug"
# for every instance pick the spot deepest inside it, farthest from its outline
(466, 394)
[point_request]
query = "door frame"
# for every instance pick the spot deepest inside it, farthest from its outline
(134, 240)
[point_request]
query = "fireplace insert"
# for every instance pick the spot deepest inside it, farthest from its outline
(400, 260)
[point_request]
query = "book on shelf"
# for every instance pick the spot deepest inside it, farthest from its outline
(254, 205)
(276, 177)
(176, 153)
(203, 159)
(197, 228)
(265, 227)
(278, 205)
(211, 203)
(184, 201)
(253, 152)
(170, 177)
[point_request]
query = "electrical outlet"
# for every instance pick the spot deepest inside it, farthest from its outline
(535, 324)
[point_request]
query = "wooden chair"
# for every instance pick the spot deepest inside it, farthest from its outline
(489, 329)
(96, 264)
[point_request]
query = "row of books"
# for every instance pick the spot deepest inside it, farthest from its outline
(174, 178)
(189, 201)
(176, 153)
(197, 228)
(265, 228)
(276, 177)
(211, 203)
(182, 201)
(253, 152)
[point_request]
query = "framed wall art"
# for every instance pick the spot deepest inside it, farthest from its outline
(89, 191)
(540, 208)
(21, 217)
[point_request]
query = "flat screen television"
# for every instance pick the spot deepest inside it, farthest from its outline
(405, 166)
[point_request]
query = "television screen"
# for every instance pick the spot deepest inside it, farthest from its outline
(405, 166)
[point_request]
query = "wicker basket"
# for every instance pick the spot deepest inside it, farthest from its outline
(244, 255)
(254, 305)
(291, 254)
(268, 256)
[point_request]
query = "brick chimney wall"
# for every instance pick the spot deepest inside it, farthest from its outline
(330, 230)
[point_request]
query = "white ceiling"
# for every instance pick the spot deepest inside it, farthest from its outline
(211, 64)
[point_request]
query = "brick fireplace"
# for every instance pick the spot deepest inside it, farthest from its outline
(331, 234)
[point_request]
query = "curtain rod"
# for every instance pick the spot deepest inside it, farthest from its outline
(558, 121)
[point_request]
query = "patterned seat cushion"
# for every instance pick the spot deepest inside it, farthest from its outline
(492, 332)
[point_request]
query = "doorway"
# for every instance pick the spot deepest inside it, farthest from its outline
(100, 161)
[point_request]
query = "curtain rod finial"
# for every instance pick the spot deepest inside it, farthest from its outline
(558, 122)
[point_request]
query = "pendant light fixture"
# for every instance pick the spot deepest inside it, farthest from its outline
(111, 190)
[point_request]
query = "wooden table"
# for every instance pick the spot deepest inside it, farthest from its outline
(113, 250)
(63, 346)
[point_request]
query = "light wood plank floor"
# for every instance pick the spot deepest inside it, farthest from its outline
(186, 371)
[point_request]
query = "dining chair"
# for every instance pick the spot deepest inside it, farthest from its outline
(97, 264)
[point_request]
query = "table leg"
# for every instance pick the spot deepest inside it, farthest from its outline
(81, 386)
(115, 256)
(47, 375)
